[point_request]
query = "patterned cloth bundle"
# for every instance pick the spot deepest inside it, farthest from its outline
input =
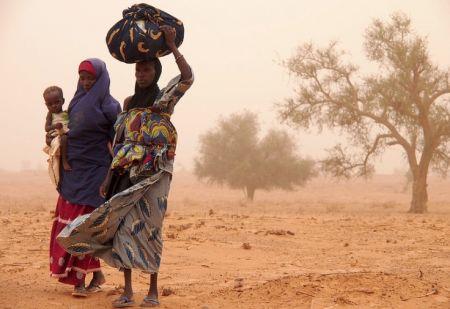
(136, 37)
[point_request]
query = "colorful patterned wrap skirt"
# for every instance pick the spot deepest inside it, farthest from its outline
(126, 231)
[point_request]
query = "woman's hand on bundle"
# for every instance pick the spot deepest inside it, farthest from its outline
(169, 36)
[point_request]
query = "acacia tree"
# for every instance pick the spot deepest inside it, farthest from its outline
(232, 154)
(405, 104)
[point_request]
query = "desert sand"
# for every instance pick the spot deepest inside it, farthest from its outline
(327, 245)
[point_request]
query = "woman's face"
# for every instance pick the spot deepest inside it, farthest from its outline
(145, 74)
(87, 80)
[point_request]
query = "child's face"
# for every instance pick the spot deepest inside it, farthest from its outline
(54, 101)
(87, 80)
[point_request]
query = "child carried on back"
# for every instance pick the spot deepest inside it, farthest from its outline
(56, 127)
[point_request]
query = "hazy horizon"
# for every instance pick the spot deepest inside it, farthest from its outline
(234, 49)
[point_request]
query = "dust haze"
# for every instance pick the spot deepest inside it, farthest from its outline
(234, 48)
(328, 244)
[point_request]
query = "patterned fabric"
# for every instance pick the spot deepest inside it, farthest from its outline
(136, 37)
(54, 151)
(149, 138)
(126, 231)
(67, 268)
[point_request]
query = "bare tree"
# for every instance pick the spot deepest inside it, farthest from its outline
(405, 104)
(232, 154)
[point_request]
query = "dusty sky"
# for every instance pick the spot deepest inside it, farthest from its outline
(233, 47)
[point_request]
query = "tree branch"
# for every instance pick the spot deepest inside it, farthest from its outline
(378, 119)
(375, 146)
(340, 165)
(438, 94)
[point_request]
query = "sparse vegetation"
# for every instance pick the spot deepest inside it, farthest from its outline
(405, 104)
(232, 154)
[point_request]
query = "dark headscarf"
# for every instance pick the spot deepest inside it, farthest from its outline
(145, 97)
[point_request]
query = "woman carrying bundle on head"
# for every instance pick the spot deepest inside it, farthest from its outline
(126, 230)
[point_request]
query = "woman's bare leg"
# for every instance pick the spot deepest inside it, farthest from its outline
(153, 289)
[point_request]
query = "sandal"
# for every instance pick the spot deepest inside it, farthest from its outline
(150, 302)
(79, 291)
(123, 302)
(94, 288)
(95, 285)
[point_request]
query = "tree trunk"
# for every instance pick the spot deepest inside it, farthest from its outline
(420, 176)
(419, 194)
(250, 191)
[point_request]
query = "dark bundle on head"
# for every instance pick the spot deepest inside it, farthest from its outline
(137, 36)
(144, 97)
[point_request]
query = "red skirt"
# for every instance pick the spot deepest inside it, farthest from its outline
(67, 268)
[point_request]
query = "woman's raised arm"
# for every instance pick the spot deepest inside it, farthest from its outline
(169, 36)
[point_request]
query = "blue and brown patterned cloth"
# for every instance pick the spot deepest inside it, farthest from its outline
(136, 37)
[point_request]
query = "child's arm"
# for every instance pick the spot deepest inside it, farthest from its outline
(48, 139)
(48, 122)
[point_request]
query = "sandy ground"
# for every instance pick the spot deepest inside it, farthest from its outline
(327, 245)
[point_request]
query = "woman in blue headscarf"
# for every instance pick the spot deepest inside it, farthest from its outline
(92, 114)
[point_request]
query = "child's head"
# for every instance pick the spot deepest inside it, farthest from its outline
(54, 99)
